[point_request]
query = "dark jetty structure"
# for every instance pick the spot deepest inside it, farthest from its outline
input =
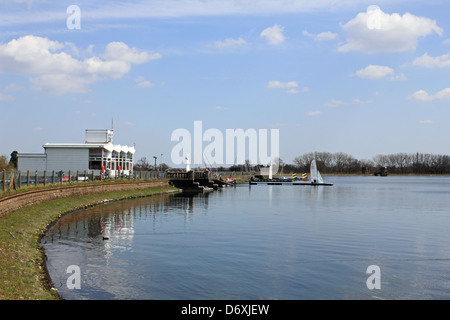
(196, 181)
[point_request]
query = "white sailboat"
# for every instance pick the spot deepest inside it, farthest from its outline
(188, 163)
(315, 177)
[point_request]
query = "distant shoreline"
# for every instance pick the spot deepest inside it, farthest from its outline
(371, 175)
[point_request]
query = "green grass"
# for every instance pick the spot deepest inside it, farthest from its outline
(22, 269)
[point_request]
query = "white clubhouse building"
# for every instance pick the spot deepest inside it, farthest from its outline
(97, 153)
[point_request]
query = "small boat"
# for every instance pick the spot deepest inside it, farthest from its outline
(316, 178)
(303, 178)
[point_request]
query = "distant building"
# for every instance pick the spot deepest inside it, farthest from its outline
(98, 151)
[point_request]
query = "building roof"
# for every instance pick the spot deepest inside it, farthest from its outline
(31, 155)
(107, 146)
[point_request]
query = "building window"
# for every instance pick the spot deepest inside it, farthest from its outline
(95, 159)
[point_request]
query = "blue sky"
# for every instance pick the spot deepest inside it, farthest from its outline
(336, 76)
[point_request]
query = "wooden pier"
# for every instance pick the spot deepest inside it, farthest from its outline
(195, 181)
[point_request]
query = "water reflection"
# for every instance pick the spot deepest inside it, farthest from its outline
(258, 242)
(115, 221)
(95, 237)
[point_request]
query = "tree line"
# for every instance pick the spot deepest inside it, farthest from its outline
(343, 163)
(397, 163)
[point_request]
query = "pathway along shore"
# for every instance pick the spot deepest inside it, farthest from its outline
(26, 216)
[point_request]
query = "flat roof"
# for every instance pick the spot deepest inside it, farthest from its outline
(107, 146)
(32, 155)
(73, 145)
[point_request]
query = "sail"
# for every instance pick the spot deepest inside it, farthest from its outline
(319, 177)
(314, 173)
(270, 171)
(188, 163)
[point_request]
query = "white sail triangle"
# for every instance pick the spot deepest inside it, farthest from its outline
(319, 177)
(316, 177)
(314, 173)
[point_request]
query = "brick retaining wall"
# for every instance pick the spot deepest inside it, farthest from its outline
(16, 201)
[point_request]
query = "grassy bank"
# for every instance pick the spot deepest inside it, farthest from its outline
(22, 269)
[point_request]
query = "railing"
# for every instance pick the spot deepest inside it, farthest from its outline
(180, 175)
(12, 180)
(190, 175)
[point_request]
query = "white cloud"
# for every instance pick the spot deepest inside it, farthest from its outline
(376, 31)
(142, 83)
(339, 103)
(52, 69)
(422, 95)
(326, 36)
(279, 84)
(374, 72)
(295, 91)
(229, 43)
(273, 35)
(121, 52)
(359, 101)
(114, 69)
(431, 62)
(314, 113)
(399, 77)
(335, 103)
(220, 108)
(291, 86)
(323, 36)
(426, 121)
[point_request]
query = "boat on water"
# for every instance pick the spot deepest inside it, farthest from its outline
(303, 178)
(316, 177)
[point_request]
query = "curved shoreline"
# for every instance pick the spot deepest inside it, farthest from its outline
(22, 258)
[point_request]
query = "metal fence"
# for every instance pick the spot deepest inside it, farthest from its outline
(12, 180)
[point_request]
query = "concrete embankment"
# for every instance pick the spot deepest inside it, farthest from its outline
(26, 215)
(13, 202)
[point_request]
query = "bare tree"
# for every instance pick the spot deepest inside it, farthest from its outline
(143, 165)
(304, 161)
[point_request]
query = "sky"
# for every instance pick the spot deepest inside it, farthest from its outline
(353, 76)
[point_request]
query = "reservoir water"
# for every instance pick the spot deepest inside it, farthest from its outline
(262, 242)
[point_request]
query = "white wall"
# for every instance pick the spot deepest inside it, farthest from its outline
(67, 159)
(32, 162)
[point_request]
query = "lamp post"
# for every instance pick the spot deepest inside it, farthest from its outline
(160, 160)
(155, 161)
